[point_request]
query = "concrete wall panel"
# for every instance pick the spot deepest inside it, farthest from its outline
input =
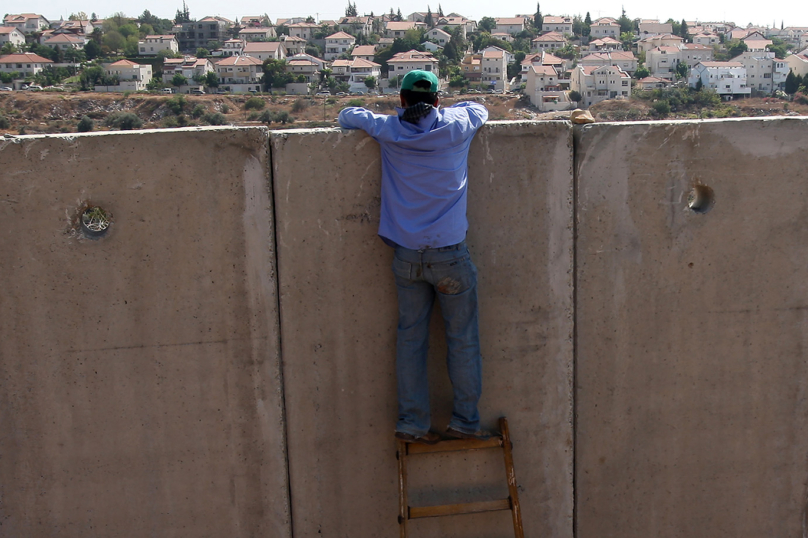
(338, 334)
(691, 330)
(140, 389)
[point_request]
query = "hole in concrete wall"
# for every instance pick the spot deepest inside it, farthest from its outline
(701, 199)
(95, 221)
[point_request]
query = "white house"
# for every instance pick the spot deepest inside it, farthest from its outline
(231, 47)
(547, 60)
(293, 45)
(726, 78)
(544, 89)
(404, 62)
(623, 59)
(355, 71)
(396, 29)
(706, 39)
(27, 23)
(756, 42)
(152, 44)
(798, 63)
(653, 83)
(9, 34)
(356, 25)
(661, 62)
(131, 76)
(652, 27)
(561, 25)
(663, 40)
(368, 52)
(257, 33)
(510, 25)
(438, 36)
(597, 84)
(265, 50)
(303, 30)
(764, 72)
(189, 66)
(549, 42)
(305, 67)
(605, 44)
(467, 26)
(693, 53)
(494, 68)
(25, 64)
(66, 41)
(604, 27)
(240, 73)
(338, 44)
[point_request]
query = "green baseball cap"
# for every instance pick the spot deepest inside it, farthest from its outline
(414, 76)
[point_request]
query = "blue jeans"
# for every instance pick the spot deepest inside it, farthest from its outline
(449, 273)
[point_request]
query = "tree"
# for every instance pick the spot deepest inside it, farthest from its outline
(575, 96)
(202, 52)
(350, 11)
(486, 24)
(778, 47)
(275, 74)
(736, 47)
(685, 34)
(662, 108)
(537, 18)
(370, 82)
(399, 18)
(114, 41)
(642, 72)
(85, 125)
(626, 24)
(681, 69)
(92, 50)
(627, 38)
(182, 15)
(179, 80)
(211, 79)
(440, 11)
(80, 16)
(428, 20)
(792, 85)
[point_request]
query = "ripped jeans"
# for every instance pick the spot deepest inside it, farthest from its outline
(449, 273)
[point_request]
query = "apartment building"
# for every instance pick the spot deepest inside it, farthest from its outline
(727, 78)
(596, 84)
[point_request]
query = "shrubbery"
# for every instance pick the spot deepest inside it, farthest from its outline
(215, 118)
(125, 121)
(4, 123)
(177, 104)
(254, 103)
(85, 125)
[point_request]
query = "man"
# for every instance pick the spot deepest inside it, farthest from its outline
(423, 216)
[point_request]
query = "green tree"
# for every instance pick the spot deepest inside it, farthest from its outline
(370, 82)
(627, 38)
(537, 18)
(182, 15)
(641, 73)
(575, 96)
(578, 28)
(736, 47)
(202, 52)
(428, 19)
(626, 24)
(440, 11)
(85, 125)
(275, 74)
(778, 47)
(676, 27)
(486, 24)
(681, 70)
(114, 40)
(662, 108)
(179, 80)
(125, 121)
(350, 11)
(211, 79)
(684, 31)
(792, 84)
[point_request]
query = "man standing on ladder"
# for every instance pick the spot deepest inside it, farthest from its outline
(423, 216)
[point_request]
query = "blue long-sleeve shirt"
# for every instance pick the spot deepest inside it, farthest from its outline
(424, 172)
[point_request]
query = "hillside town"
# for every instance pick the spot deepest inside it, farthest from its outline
(552, 62)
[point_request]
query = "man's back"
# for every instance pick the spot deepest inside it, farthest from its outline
(424, 171)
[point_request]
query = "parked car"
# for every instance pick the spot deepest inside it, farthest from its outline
(167, 90)
(341, 94)
(357, 93)
(5, 89)
(198, 91)
(34, 88)
(323, 94)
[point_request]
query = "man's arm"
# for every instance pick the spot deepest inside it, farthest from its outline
(477, 113)
(362, 118)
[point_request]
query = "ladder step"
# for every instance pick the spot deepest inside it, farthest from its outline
(453, 445)
(455, 509)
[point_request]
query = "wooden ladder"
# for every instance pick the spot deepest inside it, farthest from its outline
(503, 441)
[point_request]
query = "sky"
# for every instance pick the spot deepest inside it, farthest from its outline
(742, 12)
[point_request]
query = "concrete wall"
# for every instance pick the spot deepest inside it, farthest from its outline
(241, 308)
(140, 388)
(338, 320)
(692, 330)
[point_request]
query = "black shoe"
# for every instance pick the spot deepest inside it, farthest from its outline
(429, 438)
(479, 435)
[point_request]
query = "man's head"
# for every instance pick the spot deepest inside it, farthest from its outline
(419, 87)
